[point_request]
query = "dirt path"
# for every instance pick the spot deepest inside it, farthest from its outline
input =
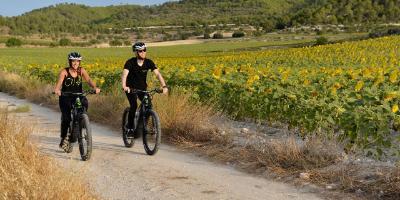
(116, 172)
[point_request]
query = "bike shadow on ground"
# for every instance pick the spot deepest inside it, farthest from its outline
(59, 154)
(116, 148)
(53, 141)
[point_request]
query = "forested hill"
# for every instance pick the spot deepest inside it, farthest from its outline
(73, 18)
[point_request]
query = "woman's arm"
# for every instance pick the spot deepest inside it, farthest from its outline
(61, 76)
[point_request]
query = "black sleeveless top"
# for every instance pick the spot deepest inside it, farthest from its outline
(71, 84)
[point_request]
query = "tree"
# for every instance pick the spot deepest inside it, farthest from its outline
(321, 41)
(64, 42)
(2, 21)
(115, 43)
(218, 35)
(13, 42)
(238, 34)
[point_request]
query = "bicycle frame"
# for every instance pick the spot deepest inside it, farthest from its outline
(144, 106)
(76, 115)
(77, 109)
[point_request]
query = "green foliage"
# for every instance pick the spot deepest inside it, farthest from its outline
(127, 43)
(13, 42)
(94, 41)
(64, 42)
(2, 21)
(218, 35)
(100, 37)
(321, 41)
(115, 43)
(238, 34)
(346, 12)
(380, 32)
(268, 14)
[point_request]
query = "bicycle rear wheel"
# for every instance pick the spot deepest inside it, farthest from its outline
(128, 141)
(85, 138)
(151, 132)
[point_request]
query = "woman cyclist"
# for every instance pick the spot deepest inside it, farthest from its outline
(70, 80)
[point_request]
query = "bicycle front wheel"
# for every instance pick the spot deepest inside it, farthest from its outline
(85, 138)
(151, 132)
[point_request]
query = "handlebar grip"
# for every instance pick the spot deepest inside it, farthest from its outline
(158, 90)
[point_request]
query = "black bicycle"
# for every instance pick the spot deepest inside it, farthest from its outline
(147, 123)
(79, 128)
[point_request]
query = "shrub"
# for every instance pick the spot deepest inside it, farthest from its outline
(238, 34)
(321, 41)
(394, 31)
(94, 41)
(13, 42)
(127, 43)
(206, 36)
(218, 36)
(64, 42)
(115, 43)
(53, 44)
(100, 37)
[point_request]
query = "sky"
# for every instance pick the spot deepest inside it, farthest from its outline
(11, 8)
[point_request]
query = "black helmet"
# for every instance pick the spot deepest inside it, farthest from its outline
(74, 56)
(139, 46)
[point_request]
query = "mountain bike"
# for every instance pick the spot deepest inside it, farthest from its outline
(147, 123)
(79, 128)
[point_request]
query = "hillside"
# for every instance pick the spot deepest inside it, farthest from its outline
(269, 14)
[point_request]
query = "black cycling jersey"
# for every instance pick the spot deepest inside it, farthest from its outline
(138, 74)
(71, 84)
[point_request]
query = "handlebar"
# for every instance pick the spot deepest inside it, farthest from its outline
(156, 90)
(83, 93)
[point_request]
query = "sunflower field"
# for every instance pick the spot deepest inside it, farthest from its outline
(350, 90)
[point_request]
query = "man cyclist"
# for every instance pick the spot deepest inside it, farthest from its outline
(134, 76)
(70, 80)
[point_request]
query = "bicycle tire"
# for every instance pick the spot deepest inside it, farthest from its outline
(151, 132)
(85, 139)
(128, 142)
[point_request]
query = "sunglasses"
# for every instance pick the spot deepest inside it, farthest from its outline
(140, 51)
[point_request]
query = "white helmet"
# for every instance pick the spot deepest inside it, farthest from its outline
(74, 56)
(139, 46)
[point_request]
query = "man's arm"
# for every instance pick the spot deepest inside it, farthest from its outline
(162, 81)
(124, 76)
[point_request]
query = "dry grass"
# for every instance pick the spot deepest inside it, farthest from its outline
(369, 181)
(26, 174)
(293, 157)
(283, 157)
(30, 89)
(107, 109)
(185, 122)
